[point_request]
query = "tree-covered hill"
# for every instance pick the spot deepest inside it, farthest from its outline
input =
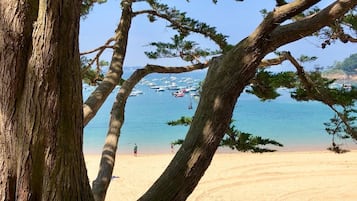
(349, 65)
(346, 69)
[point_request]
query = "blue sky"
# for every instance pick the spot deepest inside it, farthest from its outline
(235, 19)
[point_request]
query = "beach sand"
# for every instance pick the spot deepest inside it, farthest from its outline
(313, 175)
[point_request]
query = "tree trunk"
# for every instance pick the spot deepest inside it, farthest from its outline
(15, 36)
(219, 94)
(41, 109)
(226, 79)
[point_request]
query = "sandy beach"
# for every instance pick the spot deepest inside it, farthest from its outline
(313, 175)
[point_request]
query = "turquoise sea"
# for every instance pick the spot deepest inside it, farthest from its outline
(298, 125)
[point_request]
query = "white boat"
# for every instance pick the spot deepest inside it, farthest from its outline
(136, 93)
(155, 87)
(160, 89)
(192, 88)
(172, 86)
(133, 94)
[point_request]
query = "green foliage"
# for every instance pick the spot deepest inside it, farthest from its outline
(234, 138)
(184, 24)
(185, 121)
(245, 142)
(337, 128)
(266, 83)
(92, 76)
(187, 50)
(306, 93)
(324, 93)
(342, 124)
(312, 87)
(177, 142)
(351, 20)
(304, 58)
(179, 47)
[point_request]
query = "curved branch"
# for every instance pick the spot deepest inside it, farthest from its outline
(345, 38)
(279, 15)
(162, 69)
(294, 31)
(272, 62)
(313, 90)
(101, 183)
(97, 49)
(113, 77)
(339, 33)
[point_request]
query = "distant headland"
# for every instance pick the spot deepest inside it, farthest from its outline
(345, 71)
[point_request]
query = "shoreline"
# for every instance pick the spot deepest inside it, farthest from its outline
(293, 175)
(167, 150)
(127, 154)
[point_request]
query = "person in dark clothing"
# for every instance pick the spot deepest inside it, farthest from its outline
(135, 149)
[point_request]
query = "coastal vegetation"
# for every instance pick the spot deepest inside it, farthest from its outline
(42, 114)
(235, 139)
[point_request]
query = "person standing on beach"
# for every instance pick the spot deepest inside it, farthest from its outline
(172, 147)
(135, 149)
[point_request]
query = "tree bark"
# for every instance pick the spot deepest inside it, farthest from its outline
(41, 109)
(15, 36)
(226, 79)
(219, 94)
(112, 78)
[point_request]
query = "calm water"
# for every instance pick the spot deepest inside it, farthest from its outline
(298, 125)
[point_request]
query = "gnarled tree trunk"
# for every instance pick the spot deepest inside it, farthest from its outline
(214, 112)
(226, 79)
(40, 102)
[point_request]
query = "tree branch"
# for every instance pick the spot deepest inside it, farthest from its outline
(272, 62)
(279, 15)
(101, 183)
(294, 31)
(97, 49)
(346, 38)
(101, 50)
(113, 77)
(313, 90)
(180, 25)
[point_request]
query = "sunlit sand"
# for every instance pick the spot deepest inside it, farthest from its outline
(313, 175)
